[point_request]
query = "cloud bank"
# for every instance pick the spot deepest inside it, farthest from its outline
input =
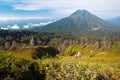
(65, 7)
(25, 26)
(31, 25)
(67, 4)
(20, 18)
(15, 26)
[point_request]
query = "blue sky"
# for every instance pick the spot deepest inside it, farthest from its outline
(44, 9)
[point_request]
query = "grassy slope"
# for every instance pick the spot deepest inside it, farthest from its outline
(91, 66)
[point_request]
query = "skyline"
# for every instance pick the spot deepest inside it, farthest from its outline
(47, 9)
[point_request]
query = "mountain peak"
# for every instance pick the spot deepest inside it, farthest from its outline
(81, 12)
(80, 21)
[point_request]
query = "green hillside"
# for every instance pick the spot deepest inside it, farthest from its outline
(36, 63)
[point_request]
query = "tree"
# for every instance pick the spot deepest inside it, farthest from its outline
(32, 42)
(14, 45)
(63, 46)
(109, 44)
(104, 43)
(97, 45)
(7, 45)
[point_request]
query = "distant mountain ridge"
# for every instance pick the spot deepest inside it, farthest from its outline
(115, 20)
(81, 21)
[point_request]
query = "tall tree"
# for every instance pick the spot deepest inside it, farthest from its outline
(32, 42)
(7, 45)
(96, 44)
(14, 45)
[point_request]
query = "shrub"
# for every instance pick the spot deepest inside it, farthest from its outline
(14, 68)
(44, 52)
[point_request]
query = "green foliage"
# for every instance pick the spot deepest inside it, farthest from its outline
(95, 64)
(99, 67)
(44, 52)
(74, 49)
(73, 69)
(16, 68)
(91, 51)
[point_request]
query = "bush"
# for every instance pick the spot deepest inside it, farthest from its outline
(44, 52)
(14, 68)
(61, 70)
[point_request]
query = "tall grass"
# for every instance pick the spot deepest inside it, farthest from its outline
(20, 65)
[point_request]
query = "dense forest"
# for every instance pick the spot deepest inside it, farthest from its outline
(19, 38)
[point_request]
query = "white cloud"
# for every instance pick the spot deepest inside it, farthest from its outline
(4, 28)
(20, 18)
(45, 23)
(8, 26)
(26, 26)
(22, 7)
(31, 25)
(38, 24)
(15, 26)
(68, 6)
(65, 7)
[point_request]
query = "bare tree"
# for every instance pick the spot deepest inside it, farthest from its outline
(97, 45)
(14, 45)
(7, 45)
(32, 42)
